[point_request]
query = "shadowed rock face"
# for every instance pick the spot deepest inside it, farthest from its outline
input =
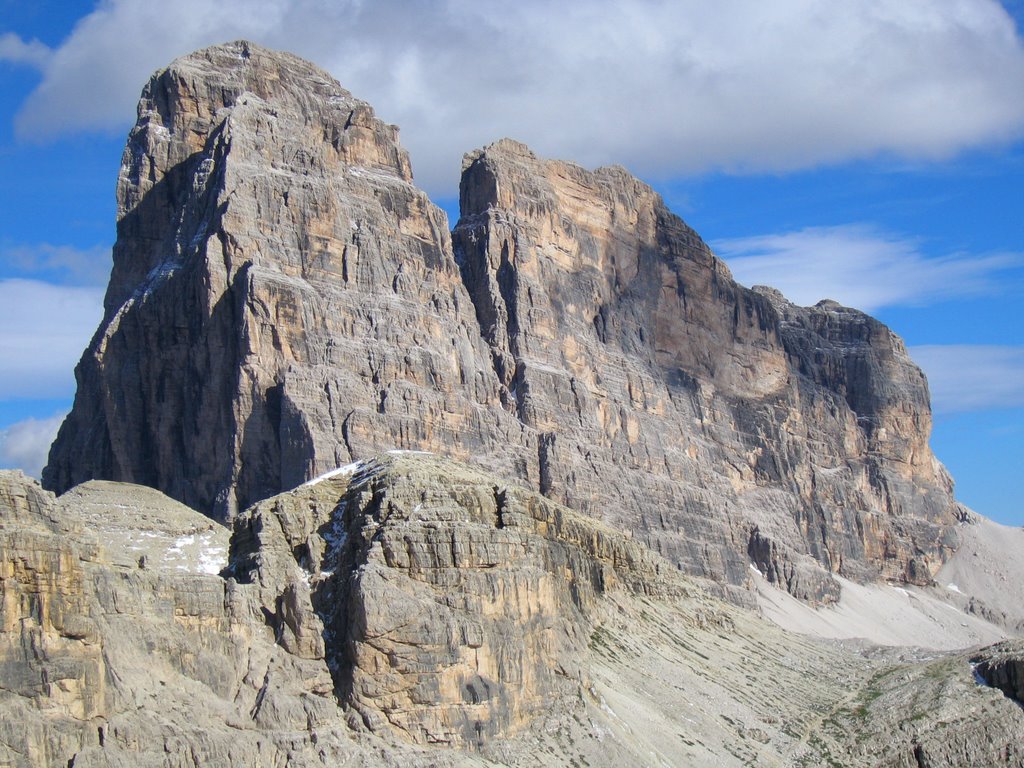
(284, 301)
(282, 297)
(1002, 669)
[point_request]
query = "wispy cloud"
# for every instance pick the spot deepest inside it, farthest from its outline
(43, 330)
(861, 266)
(966, 378)
(663, 88)
(25, 444)
(63, 264)
(14, 50)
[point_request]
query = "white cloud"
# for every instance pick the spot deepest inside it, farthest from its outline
(663, 88)
(14, 50)
(25, 445)
(859, 266)
(63, 263)
(43, 330)
(972, 378)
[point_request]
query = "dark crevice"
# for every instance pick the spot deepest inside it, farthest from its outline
(1004, 673)
(507, 280)
(545, 458)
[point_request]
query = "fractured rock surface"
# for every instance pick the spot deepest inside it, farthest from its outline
(284, 301)
(412, 611)
(455, 609)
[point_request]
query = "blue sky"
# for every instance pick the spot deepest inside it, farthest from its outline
(870, 152)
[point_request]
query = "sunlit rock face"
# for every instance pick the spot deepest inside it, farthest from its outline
(723, 425)
(284, 300)
(450, 608)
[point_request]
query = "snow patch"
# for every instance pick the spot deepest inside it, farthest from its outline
(181, 542)
(212, 560)
(362, 470)
(157, 276)
(953, 588)
(977, 676)
(197, 554)
(379, 174)
(348, 469)
(336, 535)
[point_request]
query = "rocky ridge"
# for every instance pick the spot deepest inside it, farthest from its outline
(308, 308)
(412, 611)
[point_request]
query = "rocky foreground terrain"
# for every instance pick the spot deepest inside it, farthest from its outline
(411, 610)
(342, 487)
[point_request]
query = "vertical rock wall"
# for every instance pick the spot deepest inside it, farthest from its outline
(721, 423)
(282, 300)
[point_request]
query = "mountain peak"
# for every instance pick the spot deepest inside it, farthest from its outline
(285, 301)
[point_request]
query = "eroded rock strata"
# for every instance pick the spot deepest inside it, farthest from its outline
(284, 300)
(450, 608)
(412, 611)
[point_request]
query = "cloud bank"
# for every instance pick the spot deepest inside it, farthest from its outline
(860, 266)
(43, 330)
(663, 88)
(14, 50)
(64, 264)
(965, 378)
(26, 444)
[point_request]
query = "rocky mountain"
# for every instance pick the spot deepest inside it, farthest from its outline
(284, 301)
(473, 498)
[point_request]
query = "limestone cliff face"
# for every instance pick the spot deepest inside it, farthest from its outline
(450, 609)
(718, 422)
(285, 301)
(410, 597)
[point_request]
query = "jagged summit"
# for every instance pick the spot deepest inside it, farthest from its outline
(259, 204)
(212, 102)
(285, 301)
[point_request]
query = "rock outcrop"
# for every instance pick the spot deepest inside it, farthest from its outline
(454, 609)
(1003, 668)
(284, 301)
(411, 611)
